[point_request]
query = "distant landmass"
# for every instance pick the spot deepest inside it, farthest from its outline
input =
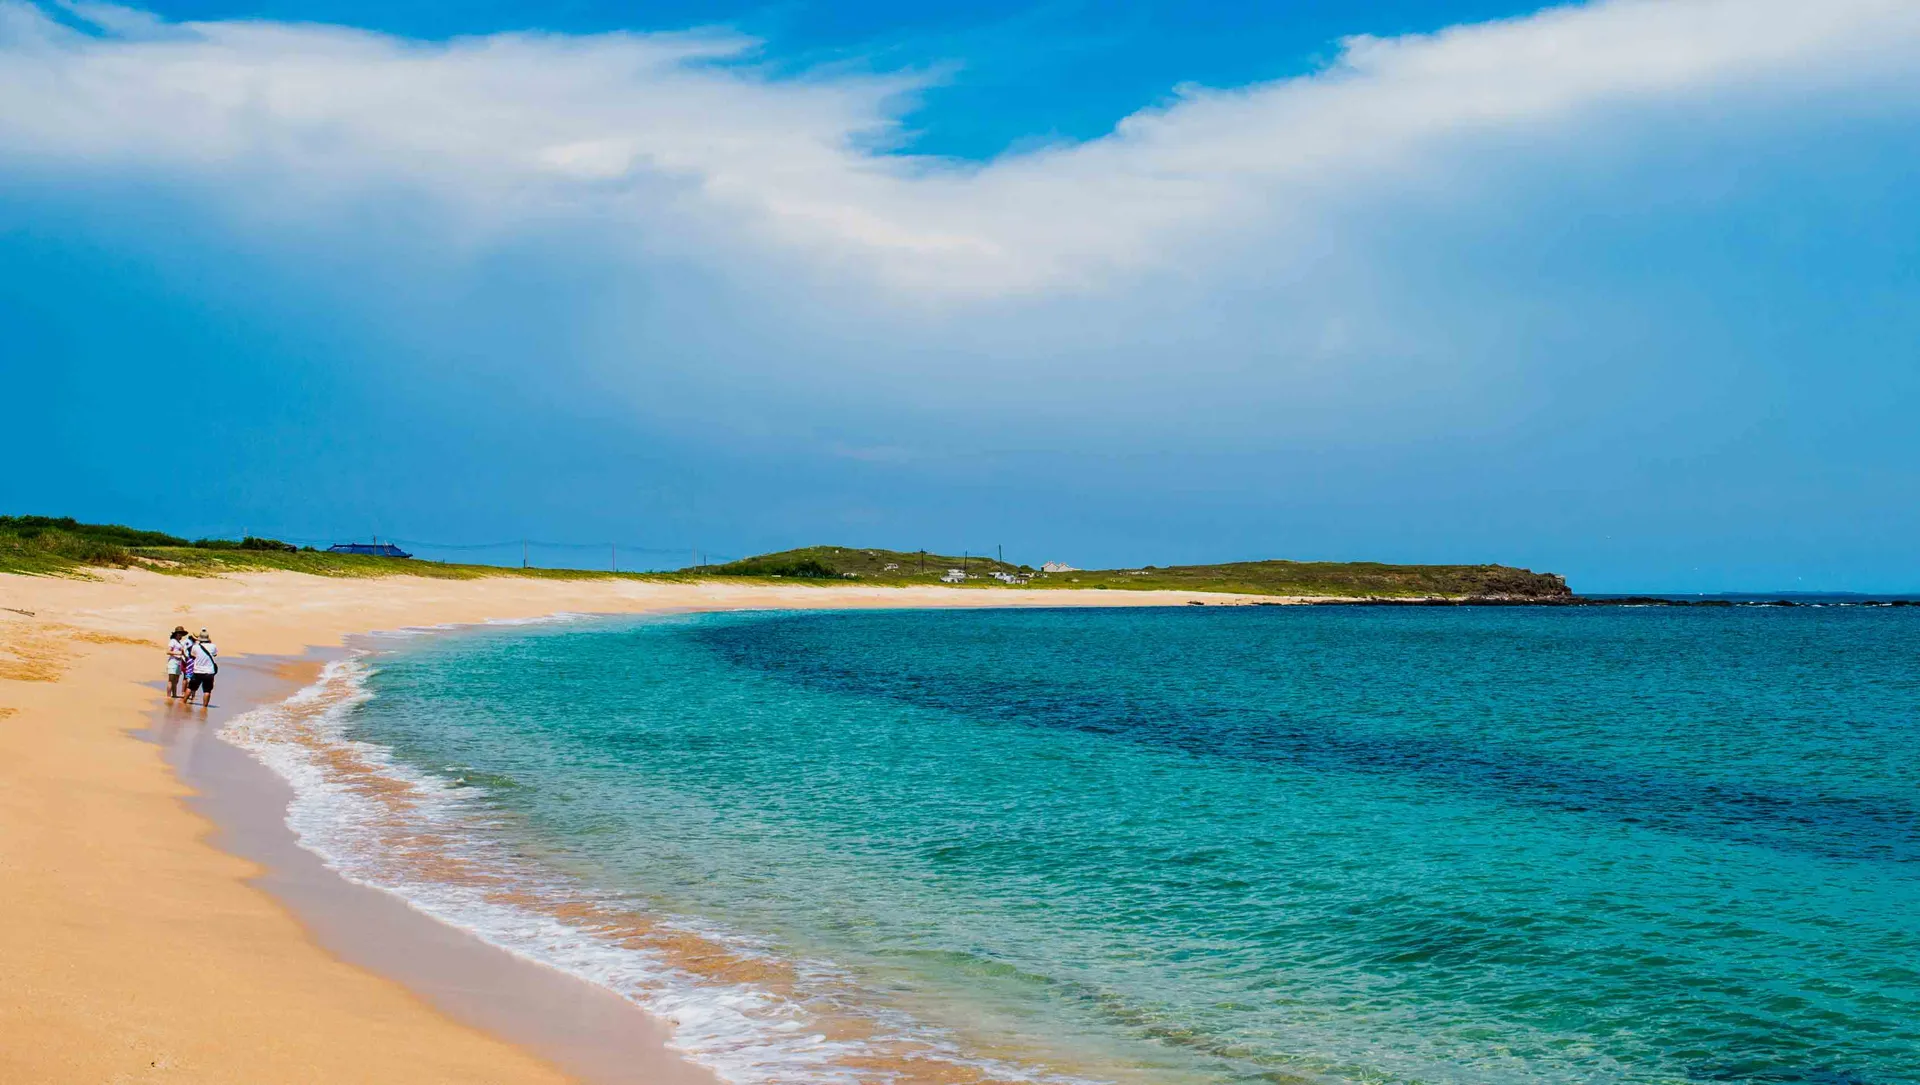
(1339, 579)
(55, 545)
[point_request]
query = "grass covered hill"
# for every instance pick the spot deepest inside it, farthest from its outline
(1349, 580)
(855, 563)
(1341, 579)
(57, 546)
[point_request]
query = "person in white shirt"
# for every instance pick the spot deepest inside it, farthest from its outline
(201, 650)
(176, 655)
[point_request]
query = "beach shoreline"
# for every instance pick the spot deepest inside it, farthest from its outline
(590, 1033)
(150, 933)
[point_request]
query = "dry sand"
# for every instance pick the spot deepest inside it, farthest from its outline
(131, 948)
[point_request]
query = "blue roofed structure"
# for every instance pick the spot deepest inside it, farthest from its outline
(378, 550)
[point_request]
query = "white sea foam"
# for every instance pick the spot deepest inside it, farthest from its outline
(409, 631)
(343, 810)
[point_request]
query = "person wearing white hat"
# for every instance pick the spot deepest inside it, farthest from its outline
(201, 653)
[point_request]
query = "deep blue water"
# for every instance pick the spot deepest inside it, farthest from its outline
(1249, 844)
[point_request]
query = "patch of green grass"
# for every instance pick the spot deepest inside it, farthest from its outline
(198, 561)
(61, 546)
(855, 563)
(1343, 580)
(46, 545)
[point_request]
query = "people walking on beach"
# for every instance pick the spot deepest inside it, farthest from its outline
(176, 658)
(200, 668)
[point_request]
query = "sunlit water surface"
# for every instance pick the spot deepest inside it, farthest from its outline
(1242, 844)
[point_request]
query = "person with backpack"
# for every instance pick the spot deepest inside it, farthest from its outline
(201, 667)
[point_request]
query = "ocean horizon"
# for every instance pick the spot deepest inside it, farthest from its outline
(1206, 845)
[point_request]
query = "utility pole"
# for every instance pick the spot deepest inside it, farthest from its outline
(523, 553)
(1002, 551)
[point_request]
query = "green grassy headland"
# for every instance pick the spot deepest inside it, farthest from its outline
(59, 546)
(52, 546)
(1347, 580)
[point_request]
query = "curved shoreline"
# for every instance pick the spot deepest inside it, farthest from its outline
(137, 944)
(586, 1031)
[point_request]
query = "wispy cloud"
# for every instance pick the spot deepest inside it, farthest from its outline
(684, 129)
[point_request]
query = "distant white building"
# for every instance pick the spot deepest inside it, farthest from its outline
(1009, 578)
(954, 576)
(1058, 567)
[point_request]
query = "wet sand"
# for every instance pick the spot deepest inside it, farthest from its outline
(156, 918)
(585, 1030)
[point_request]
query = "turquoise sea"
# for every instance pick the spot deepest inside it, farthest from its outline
(1221, 844)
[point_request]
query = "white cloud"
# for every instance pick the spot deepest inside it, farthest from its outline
(650, 129)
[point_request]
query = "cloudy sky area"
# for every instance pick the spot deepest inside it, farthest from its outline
(1625, 290)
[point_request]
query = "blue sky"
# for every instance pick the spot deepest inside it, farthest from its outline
(1003, 73)
(1627, 291)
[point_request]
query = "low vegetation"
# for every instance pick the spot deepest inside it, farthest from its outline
(1344, 580)
(46, 544)
(61, 546)
(1338, 579)
(776, 565)
(853, 563)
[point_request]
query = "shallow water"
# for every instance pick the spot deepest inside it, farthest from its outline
(1206, 845)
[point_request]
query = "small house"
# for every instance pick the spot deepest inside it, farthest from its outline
(377, 550)
(1058, 567)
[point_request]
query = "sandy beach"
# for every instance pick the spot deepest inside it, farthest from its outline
(137, 947)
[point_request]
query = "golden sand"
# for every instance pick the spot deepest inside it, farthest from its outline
(133, 950)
